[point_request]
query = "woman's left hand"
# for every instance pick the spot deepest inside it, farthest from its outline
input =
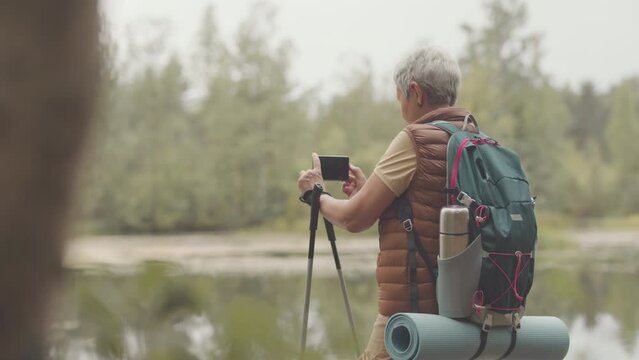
(356, 180)
(308, 178)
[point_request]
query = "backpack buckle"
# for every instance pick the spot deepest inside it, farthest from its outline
(488, 322)
(516, 321)
(408, 225)
(465, 199)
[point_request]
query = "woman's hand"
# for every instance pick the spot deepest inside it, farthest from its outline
(356, 180)
(308, 178)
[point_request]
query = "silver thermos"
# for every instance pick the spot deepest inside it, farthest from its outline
(453, 230)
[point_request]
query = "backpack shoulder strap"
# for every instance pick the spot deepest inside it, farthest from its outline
(405, 214)
(445, 125)
(451, 129)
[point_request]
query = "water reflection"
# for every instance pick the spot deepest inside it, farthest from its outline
(160, 312)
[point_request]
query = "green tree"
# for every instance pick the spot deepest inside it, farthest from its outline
(254, 127)
(589, 181)
(154, 173)
(621, 135)
(139, 175)
(588, 112)
(93, 183)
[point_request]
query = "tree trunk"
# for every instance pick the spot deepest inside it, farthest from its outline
(48, 79)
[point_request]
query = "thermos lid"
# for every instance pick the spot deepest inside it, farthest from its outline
(453, 220)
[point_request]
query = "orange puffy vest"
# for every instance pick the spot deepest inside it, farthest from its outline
(426, 198)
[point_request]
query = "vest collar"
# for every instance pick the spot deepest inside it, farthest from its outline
(445, 113)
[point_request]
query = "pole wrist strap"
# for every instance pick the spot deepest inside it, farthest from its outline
(307, 196)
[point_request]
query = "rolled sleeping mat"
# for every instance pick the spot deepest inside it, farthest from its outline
(428, 336)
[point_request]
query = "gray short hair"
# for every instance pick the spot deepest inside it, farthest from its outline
(435, 70)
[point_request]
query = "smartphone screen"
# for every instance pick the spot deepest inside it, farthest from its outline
(334, 167)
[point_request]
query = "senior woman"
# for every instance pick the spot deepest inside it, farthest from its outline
(414, 165)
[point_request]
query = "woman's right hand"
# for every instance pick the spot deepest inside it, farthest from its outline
(356, 180)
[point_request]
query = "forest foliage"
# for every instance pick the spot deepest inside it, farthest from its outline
(215, 142)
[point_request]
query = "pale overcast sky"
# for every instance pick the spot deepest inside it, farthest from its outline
(594, 40)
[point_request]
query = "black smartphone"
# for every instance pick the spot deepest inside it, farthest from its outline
(334, 167)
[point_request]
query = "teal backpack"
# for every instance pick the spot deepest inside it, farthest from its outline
(488, 179)
(488, 282)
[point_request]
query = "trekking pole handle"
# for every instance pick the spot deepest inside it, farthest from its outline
(315, 206)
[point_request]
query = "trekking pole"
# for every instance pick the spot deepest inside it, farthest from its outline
(317, 191)
(330, 231)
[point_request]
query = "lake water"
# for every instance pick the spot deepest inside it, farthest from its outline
(226, 297)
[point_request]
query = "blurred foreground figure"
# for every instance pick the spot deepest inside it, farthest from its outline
(48, 72)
